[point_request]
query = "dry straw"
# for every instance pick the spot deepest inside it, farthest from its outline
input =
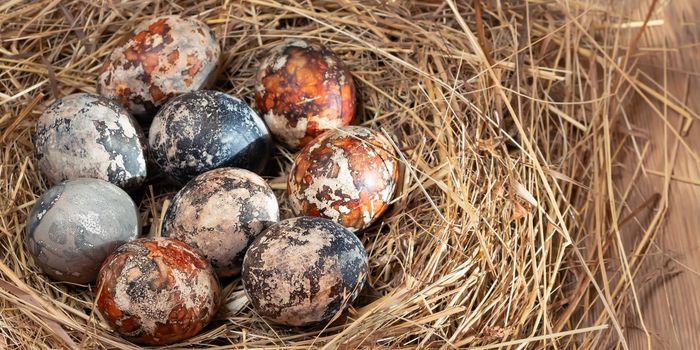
(505, 231)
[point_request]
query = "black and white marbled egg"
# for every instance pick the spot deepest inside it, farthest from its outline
(304, 270)
(76, 224)
(87, 135)
(204, 130)
(220, 213)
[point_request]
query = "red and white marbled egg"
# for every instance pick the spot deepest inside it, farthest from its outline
(161, 58)
(303, 89)
(157, 291)
(346, 175)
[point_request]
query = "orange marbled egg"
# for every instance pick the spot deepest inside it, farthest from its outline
(346, 175)
(157, 291)
(303, 89)
(161, 58)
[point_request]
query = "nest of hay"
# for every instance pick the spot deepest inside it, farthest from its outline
(504, 113)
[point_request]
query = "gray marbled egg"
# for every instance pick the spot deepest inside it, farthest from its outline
(86, 135)
(204, 130)
(220, 213)
(304, 270)
(76, 224)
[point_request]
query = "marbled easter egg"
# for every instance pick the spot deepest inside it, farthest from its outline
(220, 213)
(161, 58)
(157, 291)
(303, 89)
(347, 175)
(203, 130)
(76, 224)
(86, 135)
(303, 271)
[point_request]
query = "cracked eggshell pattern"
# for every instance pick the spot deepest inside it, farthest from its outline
(76, 224)
(86, 135)
(160, 59)
(304, 270)
(220, 213)
(157, 291)
(204, 130)
(303, 89)
(346, 175)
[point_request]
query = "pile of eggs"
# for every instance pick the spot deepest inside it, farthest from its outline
(225, 220)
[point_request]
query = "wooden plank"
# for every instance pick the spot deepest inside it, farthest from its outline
(668, 283)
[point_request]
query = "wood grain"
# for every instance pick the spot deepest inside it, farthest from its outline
(668, 282)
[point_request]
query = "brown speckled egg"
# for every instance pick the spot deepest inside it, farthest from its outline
(157, 291)
(76, 224)
(87, 135)
(159, 59)
(220, 213)
(303, 271)
(303, 89)
(347, 175)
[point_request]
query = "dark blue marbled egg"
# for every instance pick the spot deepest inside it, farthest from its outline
(203, 130)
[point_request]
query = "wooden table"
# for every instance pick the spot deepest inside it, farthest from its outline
(668, 283)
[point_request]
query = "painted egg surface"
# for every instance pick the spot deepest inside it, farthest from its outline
(157, 291)
(76, 224)
(347, 175)
(304, 270)
(303, 89)
(160, 59)
(204, 130)
(86, 135)
(220, 213)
